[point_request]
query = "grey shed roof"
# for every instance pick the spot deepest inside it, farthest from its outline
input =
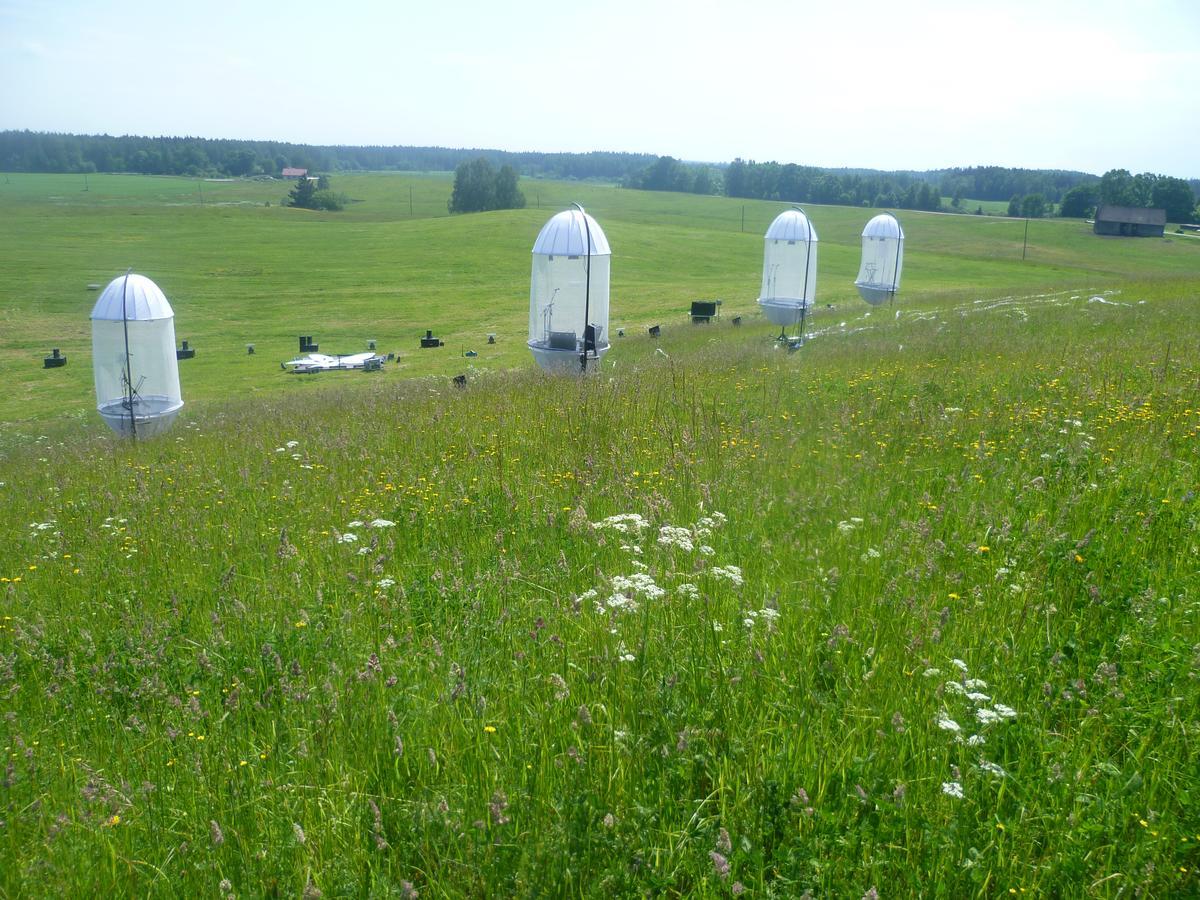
(1134, 215)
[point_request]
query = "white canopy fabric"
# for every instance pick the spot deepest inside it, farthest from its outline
(134, 359)
(141, 297)
(882, 259)
(884, 225)
(789, 282)
(792, 225)
(566, 235)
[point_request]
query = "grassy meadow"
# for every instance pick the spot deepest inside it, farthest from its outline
(239, 272)
(913, 611)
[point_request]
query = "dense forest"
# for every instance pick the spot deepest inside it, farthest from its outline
(856, 187)
(1032, 193)
(30, 151)
(1029, 192)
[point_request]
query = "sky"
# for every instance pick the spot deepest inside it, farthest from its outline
(1061, 84)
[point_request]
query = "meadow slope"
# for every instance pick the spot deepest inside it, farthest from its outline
(914, 609)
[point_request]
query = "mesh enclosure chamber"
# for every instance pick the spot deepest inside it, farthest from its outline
(882, 259)
(568, 291)
(789, 281)
(133, 357)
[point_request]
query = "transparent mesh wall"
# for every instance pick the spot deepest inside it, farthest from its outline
(882, 260)
(151, 359)
(790, 271)
(556, 297)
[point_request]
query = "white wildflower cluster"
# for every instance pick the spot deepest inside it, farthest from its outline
(639, 583)
(351, 537)
(625, 523)
(992, 768)
(979, 707)
(690, 539)
(952, 789)
(36, 527)
(385, 583)
(766, 614)
(706, 525)
(674, 536)
(627, 591)
(946, 723)
(729, 573)
(847, 526)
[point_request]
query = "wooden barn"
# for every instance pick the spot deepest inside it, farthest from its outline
(1130, 221)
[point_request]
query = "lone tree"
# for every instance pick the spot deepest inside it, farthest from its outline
(302, 194)
(1080, 201)
(1175, 196)
(478, 188)
(310, 194)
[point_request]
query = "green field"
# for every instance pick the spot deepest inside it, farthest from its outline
(239, 272)
(913, 610)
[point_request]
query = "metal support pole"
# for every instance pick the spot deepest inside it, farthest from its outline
(587, 287)
(128, 368)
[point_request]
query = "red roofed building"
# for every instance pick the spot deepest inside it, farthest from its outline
(294, 173)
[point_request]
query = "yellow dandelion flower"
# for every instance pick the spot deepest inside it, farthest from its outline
(490, 729)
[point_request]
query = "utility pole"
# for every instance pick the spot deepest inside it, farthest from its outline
(1026, 244)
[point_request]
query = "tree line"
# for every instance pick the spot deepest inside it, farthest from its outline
(33, 151)
(808, 184)
(1116, 187)
(1030, 192)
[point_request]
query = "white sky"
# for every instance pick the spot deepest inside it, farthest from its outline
(1073, 84)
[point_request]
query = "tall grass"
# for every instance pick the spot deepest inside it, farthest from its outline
(386, 638)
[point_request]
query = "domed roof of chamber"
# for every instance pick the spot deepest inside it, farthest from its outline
(792, 225)
(566, 235)
(884, 225)
(141, 298)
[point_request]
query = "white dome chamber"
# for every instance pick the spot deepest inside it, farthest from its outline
(882, 259)
(789, 279)
(569, 293)
(133, 357)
